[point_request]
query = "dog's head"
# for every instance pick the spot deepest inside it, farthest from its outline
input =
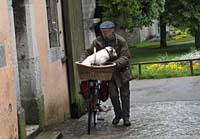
(111, 51)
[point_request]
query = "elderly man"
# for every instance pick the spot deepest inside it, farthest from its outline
(119, 84)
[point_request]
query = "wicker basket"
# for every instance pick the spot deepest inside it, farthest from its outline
(103, 72)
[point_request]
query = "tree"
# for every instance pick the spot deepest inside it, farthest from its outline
(128, 14)
(163, 23)
(184, 14)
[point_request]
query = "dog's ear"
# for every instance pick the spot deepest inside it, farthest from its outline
(111, 50)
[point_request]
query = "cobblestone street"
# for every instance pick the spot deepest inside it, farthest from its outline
(160, 109)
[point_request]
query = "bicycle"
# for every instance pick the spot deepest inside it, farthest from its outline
(92, 74)
(93, 102)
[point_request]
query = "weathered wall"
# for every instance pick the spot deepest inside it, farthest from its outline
(28, 60)
(53, 73)
(8, 108)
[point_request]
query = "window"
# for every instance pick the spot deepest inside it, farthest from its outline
(2, 55)
(52, 16)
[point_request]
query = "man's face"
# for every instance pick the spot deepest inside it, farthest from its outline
(108, 33)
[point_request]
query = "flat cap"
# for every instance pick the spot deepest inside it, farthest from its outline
(107, 25)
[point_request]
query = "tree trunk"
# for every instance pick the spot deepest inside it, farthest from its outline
(197, 39)
(163, 40)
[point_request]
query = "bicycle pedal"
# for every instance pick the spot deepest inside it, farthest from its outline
(100, 119)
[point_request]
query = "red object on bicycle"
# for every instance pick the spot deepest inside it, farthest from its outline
(103, 92)
(85, 89)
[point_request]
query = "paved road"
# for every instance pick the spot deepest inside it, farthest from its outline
(185, 42)
(160, 109)
(172, 89)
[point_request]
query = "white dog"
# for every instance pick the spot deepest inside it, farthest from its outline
(102, 56)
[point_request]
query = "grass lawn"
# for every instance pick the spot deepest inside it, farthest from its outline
(150, 51)
(154, 53)
(157, 43)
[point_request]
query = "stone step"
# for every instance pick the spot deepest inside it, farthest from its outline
(32, 131)
(49, 135)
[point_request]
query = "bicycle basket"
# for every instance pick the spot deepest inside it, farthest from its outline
(103, 72)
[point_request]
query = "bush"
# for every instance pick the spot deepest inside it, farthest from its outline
(176, 33)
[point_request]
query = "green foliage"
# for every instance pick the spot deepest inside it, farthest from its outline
(131, 13)
(149, 9)
(183, 14)
(176, 30)
(163, 57)
(119, 11)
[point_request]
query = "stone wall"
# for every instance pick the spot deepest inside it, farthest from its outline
(140, 35)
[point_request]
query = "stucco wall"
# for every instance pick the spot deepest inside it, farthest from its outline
(8, 110)
(53, 74)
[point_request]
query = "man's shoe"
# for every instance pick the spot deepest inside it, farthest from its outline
(127, 122)
(116, 120)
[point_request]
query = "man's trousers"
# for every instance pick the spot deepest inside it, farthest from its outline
(120, 98)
